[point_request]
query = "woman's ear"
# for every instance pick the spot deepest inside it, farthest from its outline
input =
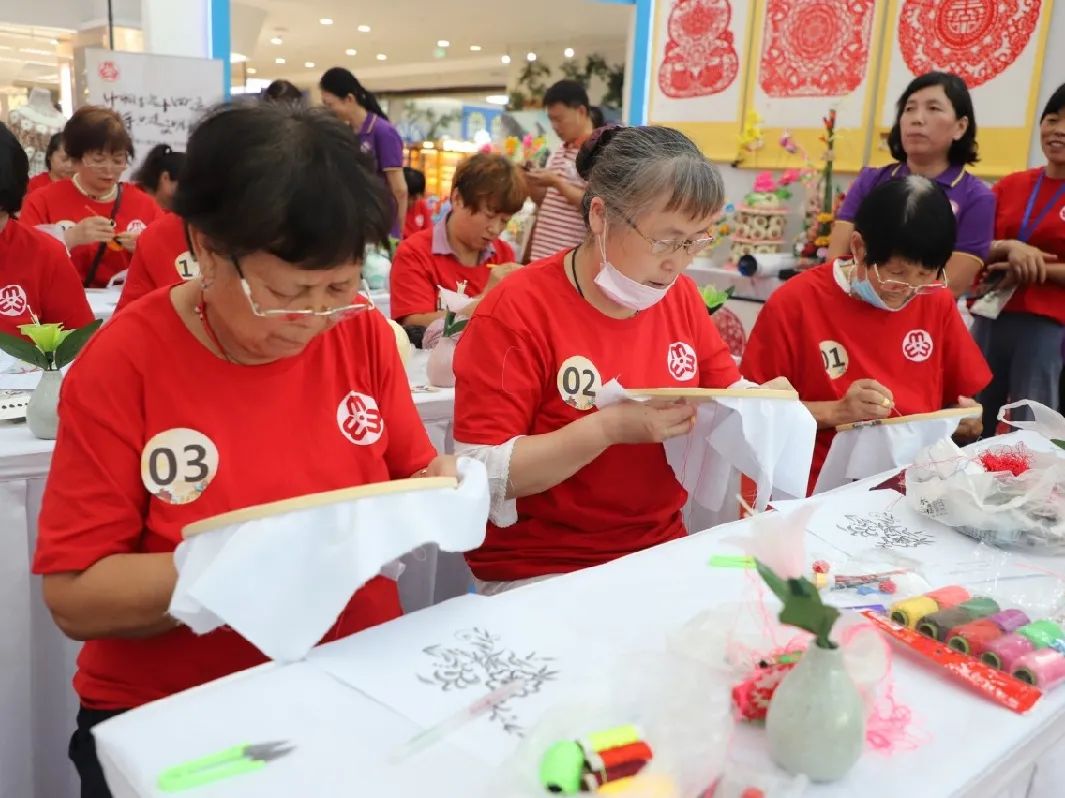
(205, 256)
(597, 216)
(857, 247)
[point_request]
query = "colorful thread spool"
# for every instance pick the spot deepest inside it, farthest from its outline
(972, 638)
(1042, 633)
(1044, 668)
(909, 612)
(612, 738)
(562, 768)
(980, 606)
(1010, 620)
(1004, 652)
(949, 596)
(937, 624)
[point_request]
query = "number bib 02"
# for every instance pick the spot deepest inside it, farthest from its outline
(578, 382)
(177, 465)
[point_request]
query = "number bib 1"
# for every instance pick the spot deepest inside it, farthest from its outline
(186, 266)
(579, 382)
(177, 465)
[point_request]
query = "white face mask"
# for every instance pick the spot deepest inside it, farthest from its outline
(624, 290)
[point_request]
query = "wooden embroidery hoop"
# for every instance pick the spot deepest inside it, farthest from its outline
(712, 394)
(950, 412)
(311, 500)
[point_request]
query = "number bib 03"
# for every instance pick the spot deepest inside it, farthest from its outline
(579, 382)
(177, 465)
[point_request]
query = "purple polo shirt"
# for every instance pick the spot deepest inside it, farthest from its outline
(381, 141)
(972, 200)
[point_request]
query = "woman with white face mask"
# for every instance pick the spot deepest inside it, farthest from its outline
(877, 334)
(574, 486)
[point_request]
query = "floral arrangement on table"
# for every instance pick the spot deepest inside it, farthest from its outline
(524, 150)
(758, 224)
(49, 347)
(751, 139)
(823, 197)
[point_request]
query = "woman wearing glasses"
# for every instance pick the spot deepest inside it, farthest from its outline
(98, 216)
(877, 334)
(573, 486)
(262, 379)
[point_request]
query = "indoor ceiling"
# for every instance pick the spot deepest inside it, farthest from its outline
(408, 33)
(31, 55)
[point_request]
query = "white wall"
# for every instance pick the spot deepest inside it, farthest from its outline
(1053, 76)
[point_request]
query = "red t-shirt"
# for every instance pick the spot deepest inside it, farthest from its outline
(274, 440)
(162, 257)
(36, 274)
(1013, 192)
(418, 218)
(823, 339)
(64, 205)
(417, 271)
(530, 363)
(38, 181)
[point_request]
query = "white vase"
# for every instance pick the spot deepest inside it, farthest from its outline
(440, 369)
(42, 413)
(816, 719)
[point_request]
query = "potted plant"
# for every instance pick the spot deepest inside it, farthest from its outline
(440, 369)
(50, 348)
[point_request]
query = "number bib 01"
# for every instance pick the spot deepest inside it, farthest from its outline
(177, 465)
(578, 382)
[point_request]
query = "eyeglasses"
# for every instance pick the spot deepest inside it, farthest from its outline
(898, 286)
(103, 164)
(363, 303)
(692, 246)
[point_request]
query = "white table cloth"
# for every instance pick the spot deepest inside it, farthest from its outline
(37, 662)
(974, 748)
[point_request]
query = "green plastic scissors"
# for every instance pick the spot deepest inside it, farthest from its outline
(235, 761)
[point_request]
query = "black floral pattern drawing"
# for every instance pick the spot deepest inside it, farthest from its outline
(481, 660)
(885, 529)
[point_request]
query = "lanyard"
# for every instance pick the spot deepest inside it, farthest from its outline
(1027, 226)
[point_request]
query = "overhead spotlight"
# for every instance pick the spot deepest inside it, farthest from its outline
(475, 48)
(568, 52)
(363, 29)
(326, 21)
(253, 71)
(351, 51)
(443, 43)
(276, 40)
(309, 64)
(382, 57)
(279, 60)
(530, 57)
(505, 59)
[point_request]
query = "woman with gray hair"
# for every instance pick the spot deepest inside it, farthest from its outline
(573, 486)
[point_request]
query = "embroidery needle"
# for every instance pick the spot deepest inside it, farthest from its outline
(433, 734)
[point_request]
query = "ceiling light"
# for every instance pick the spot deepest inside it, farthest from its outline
(309, 64)
(237, 58)
(276, 40)
(530, 57)
(568, 52)
(351, 51)
(253, 71)
(326, 21)
(443, 43)
(505, 59)
(363, 29)
(475, 48)
(496, 99)
(35, 51)
(279, 60)
(55, 41)
(382, 57)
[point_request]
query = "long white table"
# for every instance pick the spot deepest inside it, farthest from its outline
(37, 703)
(342, 734)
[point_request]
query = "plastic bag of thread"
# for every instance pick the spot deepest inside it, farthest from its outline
(658, 727)
(1006, 496)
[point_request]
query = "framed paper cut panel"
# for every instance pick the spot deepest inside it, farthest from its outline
(697, 78)
(812, 56)
(996, 46)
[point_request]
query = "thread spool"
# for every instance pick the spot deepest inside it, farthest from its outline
(1010, 620)
(972, 638)
(756, 233)
(937, 624)
(909, 612)
(1042, 633)
(949, 596)
(758, 221)
(1044, 668)
(1004, 652)
(777, 223)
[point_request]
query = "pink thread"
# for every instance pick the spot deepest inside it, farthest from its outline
(889, 726)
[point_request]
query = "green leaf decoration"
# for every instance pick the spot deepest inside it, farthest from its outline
(803, 607)
(1059, 444)
(73, 343)
(453, 325)
(715, 299)
(23, 350)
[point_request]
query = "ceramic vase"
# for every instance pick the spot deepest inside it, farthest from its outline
(440, 369)
(42, 413)
(816, 719)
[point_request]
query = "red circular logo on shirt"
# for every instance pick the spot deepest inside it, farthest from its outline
(1062, 214)
(359, 419)
(12, 300)
(107, 70)
(917, 345)
(681, 361)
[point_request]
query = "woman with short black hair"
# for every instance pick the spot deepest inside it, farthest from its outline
(57, 165)
(207, 376)
(934, 135)
(878, 333)
(159, 174)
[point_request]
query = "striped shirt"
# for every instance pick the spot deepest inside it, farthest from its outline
(559, 225)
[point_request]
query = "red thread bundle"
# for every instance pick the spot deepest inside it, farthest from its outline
(1004, 459)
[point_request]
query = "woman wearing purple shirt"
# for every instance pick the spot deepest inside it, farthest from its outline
(934, 135)
(350, 101)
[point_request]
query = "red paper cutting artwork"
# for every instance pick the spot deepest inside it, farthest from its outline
(815, 48)
(700, 55)
(974, 39)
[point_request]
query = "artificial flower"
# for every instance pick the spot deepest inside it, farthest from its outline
(778, 541)
(46, 337)
(790, 176)
(764, 183)
(821, 241)
(824, 218)
(787, 143)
